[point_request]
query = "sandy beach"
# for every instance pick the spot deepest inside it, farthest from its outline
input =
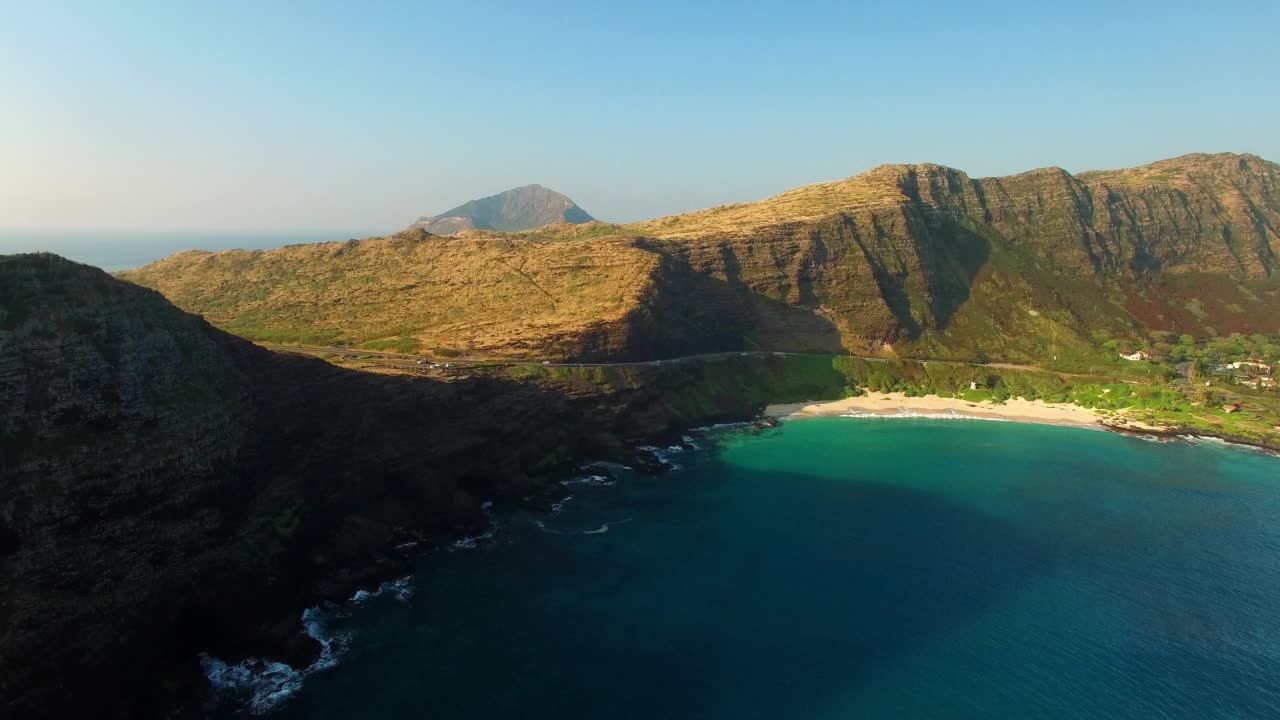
(877, 403)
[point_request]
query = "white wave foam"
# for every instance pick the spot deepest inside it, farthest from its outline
(559, 506)
(590, 480)
(265, 683)
(721, 426)
(471, 542)
(1150, 438)
(401, 589)
(604, 528)
(665, 454)
(1205, 439)
(262, 684)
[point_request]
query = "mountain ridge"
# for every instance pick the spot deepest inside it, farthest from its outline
(916, 259)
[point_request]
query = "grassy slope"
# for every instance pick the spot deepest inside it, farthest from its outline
(408, 292)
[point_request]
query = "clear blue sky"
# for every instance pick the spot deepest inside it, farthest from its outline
(316, 116)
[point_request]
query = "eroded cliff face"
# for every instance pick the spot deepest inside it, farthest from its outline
(926, 260)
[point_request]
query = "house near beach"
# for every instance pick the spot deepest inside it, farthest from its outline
(1250, 366)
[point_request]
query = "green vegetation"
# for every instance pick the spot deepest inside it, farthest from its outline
(697, 389)
(283, 337)
(1258, 347)
(405, 345)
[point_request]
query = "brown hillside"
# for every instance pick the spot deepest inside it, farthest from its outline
(907, 259)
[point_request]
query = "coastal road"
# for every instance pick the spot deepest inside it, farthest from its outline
(407, 360)
(403, 359)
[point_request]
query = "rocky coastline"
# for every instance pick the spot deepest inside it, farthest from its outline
(169, 489)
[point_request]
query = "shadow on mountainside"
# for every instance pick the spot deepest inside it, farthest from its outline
(949, 255)
(168, 488)
(954, 269)
(882, 279)
(688, 312)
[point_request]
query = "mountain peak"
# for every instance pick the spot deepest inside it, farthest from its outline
(521, 208)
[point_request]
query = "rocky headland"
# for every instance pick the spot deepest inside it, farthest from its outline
(170, 489)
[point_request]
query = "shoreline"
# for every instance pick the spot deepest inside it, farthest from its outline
(897, 404)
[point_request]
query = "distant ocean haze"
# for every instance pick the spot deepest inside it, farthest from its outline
(114, 250)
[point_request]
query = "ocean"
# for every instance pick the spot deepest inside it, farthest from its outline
(843, 568)
(123, 250)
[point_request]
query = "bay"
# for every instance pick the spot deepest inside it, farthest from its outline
(851, 568)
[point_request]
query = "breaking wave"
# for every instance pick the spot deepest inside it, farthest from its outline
(590, 480)
(471, 542)
(721, 426)
(401, 589)
(664, 454)
(262, 684)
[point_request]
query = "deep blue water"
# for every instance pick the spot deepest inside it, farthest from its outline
(122, 250)
(852, 568)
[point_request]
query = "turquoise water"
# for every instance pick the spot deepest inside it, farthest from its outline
(852, 568)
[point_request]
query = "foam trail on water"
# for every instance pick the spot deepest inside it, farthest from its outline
(604, 528)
